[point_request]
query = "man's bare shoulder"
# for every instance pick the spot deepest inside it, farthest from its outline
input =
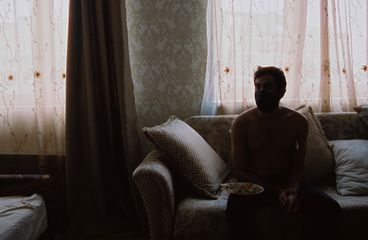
(242, 120)
(247, 115)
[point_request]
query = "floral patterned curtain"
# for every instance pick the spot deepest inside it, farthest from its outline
(32, 76)
(321, 45)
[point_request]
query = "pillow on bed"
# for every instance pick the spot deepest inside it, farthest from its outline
(22, 217)
(189, 155)
(351, 158)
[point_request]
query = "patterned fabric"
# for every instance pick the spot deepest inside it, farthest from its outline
(166, 203)
(205, 219)
(189, 155)
(364, 115)
(362, 112)
(168, 64)
(201, 218)
(351, 158)
(155, 185)
(33, 46)
(319, 163)
(339, 126)
(294, 40)
(219, 140)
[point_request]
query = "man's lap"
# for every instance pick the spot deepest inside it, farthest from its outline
(316, 208)
(308, 197)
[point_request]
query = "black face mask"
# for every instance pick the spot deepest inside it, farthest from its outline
(266, 101)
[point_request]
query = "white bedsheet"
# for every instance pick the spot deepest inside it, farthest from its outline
(22, 217)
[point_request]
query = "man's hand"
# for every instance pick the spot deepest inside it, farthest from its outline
(288, 200)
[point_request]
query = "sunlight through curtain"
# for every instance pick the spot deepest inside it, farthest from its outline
(32, 76)
(321, 45)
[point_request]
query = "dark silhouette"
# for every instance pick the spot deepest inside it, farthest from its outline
(268, 148)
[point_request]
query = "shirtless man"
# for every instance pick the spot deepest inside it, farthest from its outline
(268, 148)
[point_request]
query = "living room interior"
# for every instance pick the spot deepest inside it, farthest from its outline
(89, 88)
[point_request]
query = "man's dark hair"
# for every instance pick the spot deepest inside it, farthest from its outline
(275, 72)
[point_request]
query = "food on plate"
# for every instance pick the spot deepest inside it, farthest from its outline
(242, 188)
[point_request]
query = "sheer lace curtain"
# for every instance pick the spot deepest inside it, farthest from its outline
(321, 45)
(32, 76)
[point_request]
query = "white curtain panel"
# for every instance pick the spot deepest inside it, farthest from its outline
(321, 45)
(32, 76)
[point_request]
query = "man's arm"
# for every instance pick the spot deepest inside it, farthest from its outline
(242, 165)
(240, 160)
(288, 197)
(297, 173)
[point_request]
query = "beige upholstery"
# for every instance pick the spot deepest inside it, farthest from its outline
(190, 157)
(173, 213)
(155, 184)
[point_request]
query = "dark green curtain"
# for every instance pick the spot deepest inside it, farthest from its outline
(102, 145)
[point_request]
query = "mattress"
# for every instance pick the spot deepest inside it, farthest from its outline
(22, 217)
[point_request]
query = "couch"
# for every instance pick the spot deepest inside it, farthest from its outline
(174, 213)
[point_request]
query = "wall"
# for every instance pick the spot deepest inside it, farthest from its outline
(167, 44)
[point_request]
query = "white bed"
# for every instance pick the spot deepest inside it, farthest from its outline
(22, 217)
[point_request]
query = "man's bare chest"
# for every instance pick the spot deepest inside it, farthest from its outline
(271, 138)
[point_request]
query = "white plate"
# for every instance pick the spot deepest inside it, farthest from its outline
(242, 188)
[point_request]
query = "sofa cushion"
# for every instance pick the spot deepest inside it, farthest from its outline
(189, 155)
(348, 203)
(206, 219)
(201, 218)
(351, 158)
(362, 111)
(319, 160)
(354, 213)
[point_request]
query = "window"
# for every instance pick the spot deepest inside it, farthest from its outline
(321, 46)
(32, 76)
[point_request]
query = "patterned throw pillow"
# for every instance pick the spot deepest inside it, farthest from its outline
(189, 155)
(319, 163)
(362, 111)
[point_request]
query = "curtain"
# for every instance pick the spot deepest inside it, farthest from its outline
(321, 46)
(32, 76)
(101, 132)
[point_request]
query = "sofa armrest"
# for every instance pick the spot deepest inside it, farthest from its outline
(155, 185)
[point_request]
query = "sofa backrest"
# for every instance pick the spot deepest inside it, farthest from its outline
(347, 125)
(216, 129)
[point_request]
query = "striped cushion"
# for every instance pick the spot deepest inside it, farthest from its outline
(319, 163)
(189, 155)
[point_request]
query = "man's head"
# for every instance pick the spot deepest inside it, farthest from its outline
(270, 87)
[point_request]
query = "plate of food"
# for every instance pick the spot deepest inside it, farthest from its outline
(242, 188)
